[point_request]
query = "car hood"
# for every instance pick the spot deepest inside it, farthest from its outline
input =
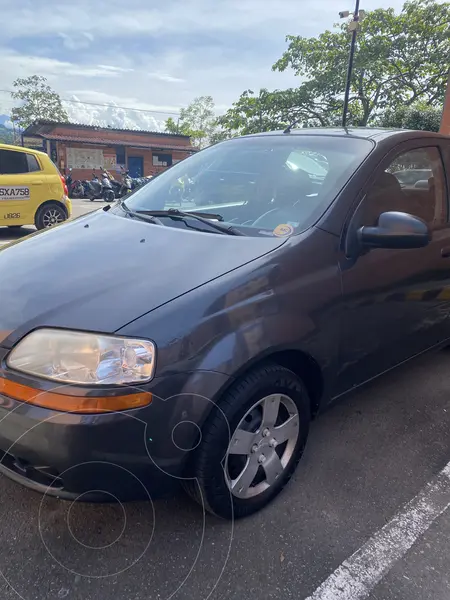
(101, 271)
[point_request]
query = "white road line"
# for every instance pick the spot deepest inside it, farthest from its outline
(358, 575)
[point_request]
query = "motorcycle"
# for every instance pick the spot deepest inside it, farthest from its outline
(96, 189)
(107, 189)
(92, 188)
(75, 188)
(120, 188)
(127, 184)
(117, 188)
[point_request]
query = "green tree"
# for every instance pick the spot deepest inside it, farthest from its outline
(198, 121)
(272, 110)
(417, 116)
(253, 113)
(38, 101)
(400, 60)
(220, 134)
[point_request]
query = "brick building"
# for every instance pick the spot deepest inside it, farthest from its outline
(87, 148)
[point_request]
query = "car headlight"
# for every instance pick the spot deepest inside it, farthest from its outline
(84, 358)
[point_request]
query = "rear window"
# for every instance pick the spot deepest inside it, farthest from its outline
(33, 164)
(13, 163)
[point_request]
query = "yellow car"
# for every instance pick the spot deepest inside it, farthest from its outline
(32, 190)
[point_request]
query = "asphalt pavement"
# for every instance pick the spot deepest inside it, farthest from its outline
(365, 516)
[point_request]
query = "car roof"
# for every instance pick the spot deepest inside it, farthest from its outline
(22, 149)
(369, 133)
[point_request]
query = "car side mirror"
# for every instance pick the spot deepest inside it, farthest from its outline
(395, 230)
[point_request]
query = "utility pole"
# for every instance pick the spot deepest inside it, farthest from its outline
(445, 122)
(14, 131)
(353, 27)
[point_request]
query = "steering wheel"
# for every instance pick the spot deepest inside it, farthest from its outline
(259, 222)
(291, 201)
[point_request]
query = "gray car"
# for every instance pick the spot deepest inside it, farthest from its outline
(145, 345)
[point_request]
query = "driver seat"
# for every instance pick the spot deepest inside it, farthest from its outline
(291, 203)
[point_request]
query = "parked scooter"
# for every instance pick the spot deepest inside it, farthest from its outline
(127, 184)
(117, 187)
(87, 190)
(76, 190)
(96, 189)
(92, 188)
(107, 189)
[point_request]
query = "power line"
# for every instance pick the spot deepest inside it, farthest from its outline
(160, 112)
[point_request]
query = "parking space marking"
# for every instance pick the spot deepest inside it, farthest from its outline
(357, 576)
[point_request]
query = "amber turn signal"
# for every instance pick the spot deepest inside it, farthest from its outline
(66, 403)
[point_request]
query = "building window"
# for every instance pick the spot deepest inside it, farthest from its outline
(120, 156)
(162, 160)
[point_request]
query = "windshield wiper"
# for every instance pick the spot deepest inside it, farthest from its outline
(139, 215)
(174, 213)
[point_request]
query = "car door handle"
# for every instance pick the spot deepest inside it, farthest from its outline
(445, 252)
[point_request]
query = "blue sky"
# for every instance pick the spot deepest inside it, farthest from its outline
(155, 55)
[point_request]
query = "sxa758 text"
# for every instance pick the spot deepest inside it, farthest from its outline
(8, 192)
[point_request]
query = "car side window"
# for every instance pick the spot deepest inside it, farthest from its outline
(413, 183)
(33, 164)
(13, 163)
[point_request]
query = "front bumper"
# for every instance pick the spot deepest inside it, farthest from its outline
(136, 454)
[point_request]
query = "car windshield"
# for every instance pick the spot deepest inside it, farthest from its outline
(257, 184)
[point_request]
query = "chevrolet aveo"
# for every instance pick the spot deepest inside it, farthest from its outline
(147, 344)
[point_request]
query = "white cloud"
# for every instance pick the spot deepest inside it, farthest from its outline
(114, 116)
(22, 65)
(165, 77)
(76, 41)
(176, 16)
(115, 69)
(130, 102)
(156, 57)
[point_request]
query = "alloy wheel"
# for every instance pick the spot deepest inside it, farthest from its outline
(52, 217)
(262, 446)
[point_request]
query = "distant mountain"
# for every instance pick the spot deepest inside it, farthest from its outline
(5, 120)
(6, 135)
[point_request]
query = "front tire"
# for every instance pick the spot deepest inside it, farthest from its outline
(251, 443)
(108, 196)
(49, 215)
